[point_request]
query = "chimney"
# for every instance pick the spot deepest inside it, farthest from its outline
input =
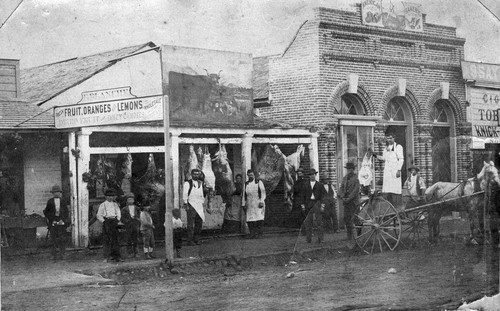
(9, 79)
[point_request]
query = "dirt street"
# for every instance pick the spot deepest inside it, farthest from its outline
(427, 278)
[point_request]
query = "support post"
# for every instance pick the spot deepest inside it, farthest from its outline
(83, 165)
(169, 245)
(73, 195)
(174, 142)
(313, 152)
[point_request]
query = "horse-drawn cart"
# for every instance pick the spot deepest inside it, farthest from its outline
(380, 226)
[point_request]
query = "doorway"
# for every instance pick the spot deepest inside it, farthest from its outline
(400, 137)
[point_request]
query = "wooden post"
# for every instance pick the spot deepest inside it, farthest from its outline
(246, 161)
(313, 152)
(174, 142)
(83, 165)
(169, 247)
(73, 189)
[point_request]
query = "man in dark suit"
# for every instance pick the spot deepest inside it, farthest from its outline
(330, 201)
(57, 214)
(349, 194)
(312, 195)
(297, 199)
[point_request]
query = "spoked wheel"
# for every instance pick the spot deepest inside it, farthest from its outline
(377, 227)
(415, 228)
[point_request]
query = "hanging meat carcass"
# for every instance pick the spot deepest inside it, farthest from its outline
(270, 167)
(192, 163)
(127, 174)
(206, 168)
(224, 184)
(148, 185)
(292, 164)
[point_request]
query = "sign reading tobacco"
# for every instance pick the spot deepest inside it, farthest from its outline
(485, 106)
(137, 109)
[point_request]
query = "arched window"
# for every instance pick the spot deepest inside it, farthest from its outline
(442, 148)
(349, 104)
(394, 111)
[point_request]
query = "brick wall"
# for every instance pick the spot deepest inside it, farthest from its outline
(335, 44)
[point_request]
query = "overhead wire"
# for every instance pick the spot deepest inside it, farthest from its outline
(8, 17)
(489, 10)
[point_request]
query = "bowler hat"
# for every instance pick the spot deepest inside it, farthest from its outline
(130, 196)
(56, 188)
(300, 169)
(413, 167)
(350, 165)
(312, 172)
(110, 192)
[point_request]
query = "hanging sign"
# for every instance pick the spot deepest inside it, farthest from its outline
(138, 109)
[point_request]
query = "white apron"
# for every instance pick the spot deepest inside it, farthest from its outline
(196, 199)
(254, 213)
(393, 162)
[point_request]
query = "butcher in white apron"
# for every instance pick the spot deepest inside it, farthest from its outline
(194, 193)
(254, 197)
(394, 159)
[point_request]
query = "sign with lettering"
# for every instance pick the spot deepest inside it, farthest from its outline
(481, 72)
(392, 14)
(136, 109)
(484, 111)
(108, 94)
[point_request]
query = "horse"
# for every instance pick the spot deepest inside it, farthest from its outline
(463, 192)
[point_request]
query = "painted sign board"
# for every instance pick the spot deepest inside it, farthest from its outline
(137, 109)
(481, 72)
(392, 14)
(484, 116)
(208, 86)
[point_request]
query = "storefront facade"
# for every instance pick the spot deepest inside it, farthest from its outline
(353, 81)
(106, 127)
(483, 95)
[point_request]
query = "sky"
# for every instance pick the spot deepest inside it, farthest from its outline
(45, 31)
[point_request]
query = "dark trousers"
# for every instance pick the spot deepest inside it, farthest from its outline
(314, 218)
(395, 199)
(58, 236)
(330, 218)
(132, 235)
(111, 247)
(350, 218)
(194, 224)
(178, 238)
(256, 228)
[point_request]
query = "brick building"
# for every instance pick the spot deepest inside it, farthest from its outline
(352, 82)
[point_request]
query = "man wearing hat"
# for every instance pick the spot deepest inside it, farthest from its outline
(57, 213)
(415, 186)
(109, 214)
(131, 220)
(313, 207)
(349, 194)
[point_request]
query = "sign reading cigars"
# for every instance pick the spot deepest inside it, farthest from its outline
(484, 116)
(137, 109)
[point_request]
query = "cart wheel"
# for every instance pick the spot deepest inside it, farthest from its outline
(415, 228)
(377, 227)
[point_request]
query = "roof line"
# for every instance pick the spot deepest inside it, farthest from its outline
(76, 83)
(134, 54)
(294, 37)
(31, 118)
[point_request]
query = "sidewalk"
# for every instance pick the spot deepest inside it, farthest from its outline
(86, 266)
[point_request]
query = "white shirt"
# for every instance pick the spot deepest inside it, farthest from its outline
(108, 209)
(57, 204)
(312, 187)
(131, 210)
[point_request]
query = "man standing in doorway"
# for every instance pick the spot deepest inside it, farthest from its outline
(394, 159)
(349, 194)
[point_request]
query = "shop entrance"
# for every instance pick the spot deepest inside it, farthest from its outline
(441, 161)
